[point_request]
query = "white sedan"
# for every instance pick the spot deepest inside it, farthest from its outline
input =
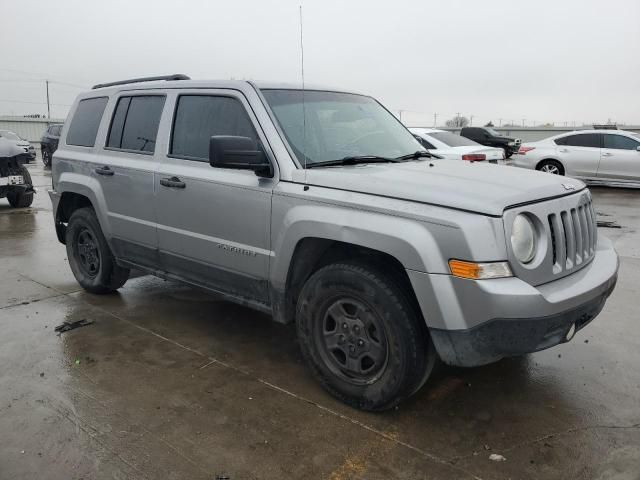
(455, 147)
(606, 157)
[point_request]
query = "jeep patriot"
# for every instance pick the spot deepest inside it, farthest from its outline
(319, 207)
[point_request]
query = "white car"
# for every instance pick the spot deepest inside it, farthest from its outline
(455, 147)
(605, 157)
(19, 142)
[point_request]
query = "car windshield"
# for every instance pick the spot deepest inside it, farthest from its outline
(338, 125)
(493, 132)
(9, 135)
(452, 140)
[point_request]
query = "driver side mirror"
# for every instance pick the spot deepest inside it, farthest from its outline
(239, 153)
(638, 148)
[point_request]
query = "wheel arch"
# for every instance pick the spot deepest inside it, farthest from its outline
(76, 195)
(313, 253)
(551, 159)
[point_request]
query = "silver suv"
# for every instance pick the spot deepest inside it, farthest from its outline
(319, 207)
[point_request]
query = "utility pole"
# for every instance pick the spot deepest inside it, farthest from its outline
(400, 115)
(48, 106)
(435, 119)
(523, 122)
(471, 120)
(458, 120)
(499, 122)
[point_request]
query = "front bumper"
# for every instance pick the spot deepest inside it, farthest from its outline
(477, 322)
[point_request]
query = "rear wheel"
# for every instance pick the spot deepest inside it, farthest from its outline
(18, 198)
(90, 257)
(361, 336)
(551, 166)
(46, 157)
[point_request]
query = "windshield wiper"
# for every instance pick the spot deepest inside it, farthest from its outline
(353, 160)
(417, 155)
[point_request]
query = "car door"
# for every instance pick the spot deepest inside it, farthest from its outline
(213, 223)
(580, 154)
(620, 158)
(125, 171)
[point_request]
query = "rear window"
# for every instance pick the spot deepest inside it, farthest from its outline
(593, 140)
(452, 140)
(86, 120)
(135, 122)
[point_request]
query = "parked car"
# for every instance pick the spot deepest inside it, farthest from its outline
(49, 142)
(491, 138)
(455, 147)
(385, 260)
(25, 145)
(609, 157)
(15, 181)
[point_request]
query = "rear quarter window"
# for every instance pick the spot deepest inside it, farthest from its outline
(86, 121)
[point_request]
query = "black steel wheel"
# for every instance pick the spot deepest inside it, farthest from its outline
(46, 157)
(352, 340)
(90, 257)
(362, 336)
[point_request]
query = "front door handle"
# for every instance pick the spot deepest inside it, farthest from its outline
(173, 182)
(606, 154)
(106, 171)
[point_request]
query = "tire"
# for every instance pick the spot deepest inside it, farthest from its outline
(90, 257)
(507, 153)
(551, 166)
(362, 337)
(46, 157)
(19, 199)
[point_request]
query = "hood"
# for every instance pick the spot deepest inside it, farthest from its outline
(477, 187)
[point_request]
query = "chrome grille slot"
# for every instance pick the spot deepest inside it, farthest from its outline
(573, 237)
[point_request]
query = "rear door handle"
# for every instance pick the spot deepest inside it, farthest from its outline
(173, 182)
(606, 154)
(106, 171)
(563, 150)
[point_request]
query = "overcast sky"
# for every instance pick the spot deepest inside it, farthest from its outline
(538, 60)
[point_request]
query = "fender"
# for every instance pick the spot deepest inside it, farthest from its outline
(89, 187)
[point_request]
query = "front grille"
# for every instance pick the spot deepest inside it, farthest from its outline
(573, 237)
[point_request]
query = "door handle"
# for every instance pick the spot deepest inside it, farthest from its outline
(606, 154)
(563, 150)
(173, 182)
(106, 171)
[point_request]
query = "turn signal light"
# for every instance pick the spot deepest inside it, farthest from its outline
(479, 271)
(474, 157)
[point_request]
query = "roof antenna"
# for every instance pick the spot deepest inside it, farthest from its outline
(304, 111)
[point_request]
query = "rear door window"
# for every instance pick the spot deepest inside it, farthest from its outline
(620, 142)
(199, 117)
(135, 122)
(86, 121)
(593, 140)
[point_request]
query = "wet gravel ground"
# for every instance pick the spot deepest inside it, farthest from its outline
(173, 383)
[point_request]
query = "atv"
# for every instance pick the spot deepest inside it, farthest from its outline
(15, 181)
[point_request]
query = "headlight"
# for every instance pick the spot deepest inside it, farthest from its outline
(523, 239)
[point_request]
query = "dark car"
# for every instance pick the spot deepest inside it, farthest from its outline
(49, 142)
(491, 138)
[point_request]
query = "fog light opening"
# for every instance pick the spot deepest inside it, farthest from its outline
(571, 332)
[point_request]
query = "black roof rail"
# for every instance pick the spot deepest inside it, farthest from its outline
(175, 76)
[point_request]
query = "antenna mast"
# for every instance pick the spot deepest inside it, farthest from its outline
(304, 111)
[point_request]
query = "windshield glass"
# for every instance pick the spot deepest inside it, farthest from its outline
(9, 135)
(338, 125)
(452, 140)
(493, 132)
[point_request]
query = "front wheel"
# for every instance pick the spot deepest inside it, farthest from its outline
(551, 166)
(90, 257)
(18, 198)
(362, 337)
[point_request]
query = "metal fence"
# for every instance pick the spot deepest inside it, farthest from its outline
(30, 129)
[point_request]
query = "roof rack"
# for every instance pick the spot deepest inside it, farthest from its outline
(175, 76)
